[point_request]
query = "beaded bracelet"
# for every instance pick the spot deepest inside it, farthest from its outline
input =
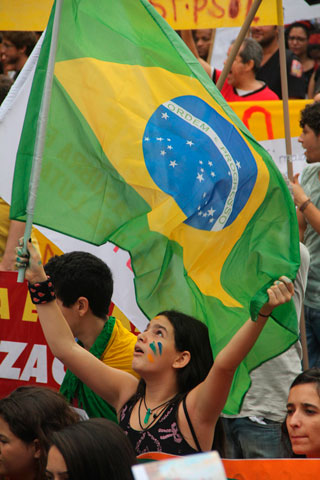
(41, 292)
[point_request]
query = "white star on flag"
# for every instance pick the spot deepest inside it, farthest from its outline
(164, 115)
(169, 147)
(211, 212)
(210, 164)
(159, 139)
(189, 142)
(173, 164)
(238, 164)
(212, 174)
(200, 177)
(163, 152)
(146, 139)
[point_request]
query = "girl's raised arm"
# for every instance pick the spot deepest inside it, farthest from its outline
(113, 385)
(206, 401)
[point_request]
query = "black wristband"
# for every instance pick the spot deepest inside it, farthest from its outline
(41, 292)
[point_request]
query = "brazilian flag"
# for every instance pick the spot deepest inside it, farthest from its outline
(141, 150)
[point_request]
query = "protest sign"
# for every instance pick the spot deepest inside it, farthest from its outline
(180, 14)
(25, 358)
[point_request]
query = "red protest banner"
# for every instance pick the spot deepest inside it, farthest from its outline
(25, 358)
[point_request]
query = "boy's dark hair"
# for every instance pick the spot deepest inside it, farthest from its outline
(81, 274)
(310, 116)
(21, 39)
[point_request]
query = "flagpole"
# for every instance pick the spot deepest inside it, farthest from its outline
(284, 90)
(212, 39)
(286, 118)
(236, 46)
(41, 131)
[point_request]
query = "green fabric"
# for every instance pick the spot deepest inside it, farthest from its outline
(72, 388)
(127, 58)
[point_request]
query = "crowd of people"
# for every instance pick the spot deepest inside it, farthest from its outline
(162, 391)
(255, 72)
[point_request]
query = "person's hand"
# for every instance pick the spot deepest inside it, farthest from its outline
(31, 261)
(299, 196)
(280, 292)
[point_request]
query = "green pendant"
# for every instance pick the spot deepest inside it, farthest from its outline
(146, 418)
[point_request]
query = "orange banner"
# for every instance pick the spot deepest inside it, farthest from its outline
(265, 469)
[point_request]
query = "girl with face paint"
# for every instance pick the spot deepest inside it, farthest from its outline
(175, 407)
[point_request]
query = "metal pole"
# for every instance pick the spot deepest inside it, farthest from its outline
(41, 131)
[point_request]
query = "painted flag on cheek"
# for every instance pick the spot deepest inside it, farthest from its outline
(141, 150)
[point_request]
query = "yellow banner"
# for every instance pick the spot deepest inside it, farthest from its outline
(265, 119)
(185, 14)
(180, 14)
(24, 14)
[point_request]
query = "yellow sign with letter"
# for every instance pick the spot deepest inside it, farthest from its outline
(180, 14)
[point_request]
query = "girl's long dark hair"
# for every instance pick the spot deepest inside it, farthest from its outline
(192, 335)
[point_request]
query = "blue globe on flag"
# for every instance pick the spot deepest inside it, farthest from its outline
(193, 154)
